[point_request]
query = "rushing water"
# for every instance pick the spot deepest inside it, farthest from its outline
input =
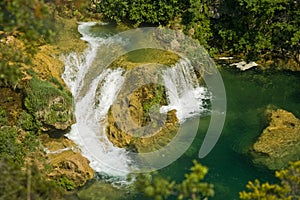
(248, 93)
(95, 88)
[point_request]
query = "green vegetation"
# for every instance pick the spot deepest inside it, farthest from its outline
(47, 103)
(288, 189)
(24, 24)
(192, 187)
(259, 28)
(10, 148)
(253, 29)
(20, 154)
(65, 183)
(29, 17)
(193, 14)
(17, 183)
(40, 92)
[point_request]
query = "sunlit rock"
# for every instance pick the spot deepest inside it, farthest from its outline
(279, 143)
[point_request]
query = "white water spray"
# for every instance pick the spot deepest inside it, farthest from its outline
(95, 89)
(184, 94)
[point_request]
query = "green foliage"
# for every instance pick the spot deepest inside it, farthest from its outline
(30, 17)
(28, 183)
(10, 147)
(40, 92)
(259, 28)
(140, 11)
(3, 120)
(29, 21)
(27, 122)
(192, 187)
(11, 60)
(65, 183)
(47, 104)
(157, 100)
(288, 189)
(197, 19)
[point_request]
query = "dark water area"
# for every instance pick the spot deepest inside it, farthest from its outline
(249, 94)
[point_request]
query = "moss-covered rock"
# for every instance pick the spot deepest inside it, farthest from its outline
(279, 143)
(49, 105)
(134, 120)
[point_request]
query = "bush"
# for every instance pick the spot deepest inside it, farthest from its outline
(27, 122)
(289, 187)
(40, 92)
(140, 11)
(10, 148)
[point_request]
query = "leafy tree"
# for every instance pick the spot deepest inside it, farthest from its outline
(259, 28)
(26, 183)
(28, 21)
(30, 17)
(288, 189)
(192, 187)
(194, 15)
(139, 11)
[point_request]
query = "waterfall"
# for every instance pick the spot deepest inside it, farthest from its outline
(89, 130)
(184, 94)
(95, 88)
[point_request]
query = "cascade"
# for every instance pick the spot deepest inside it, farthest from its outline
(94, 91)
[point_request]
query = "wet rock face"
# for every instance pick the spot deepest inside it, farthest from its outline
(280, 141)
(134, 120)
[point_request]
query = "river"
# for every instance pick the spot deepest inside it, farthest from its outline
(248, 94)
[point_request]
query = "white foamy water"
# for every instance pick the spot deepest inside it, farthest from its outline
(95, 89)
(184, 94)
(88, 133)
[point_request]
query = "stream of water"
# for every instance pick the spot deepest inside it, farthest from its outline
(248, 93)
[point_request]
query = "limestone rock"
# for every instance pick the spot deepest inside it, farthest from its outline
(66, 161)
(134, 120)
(280, 141)
(58, 114)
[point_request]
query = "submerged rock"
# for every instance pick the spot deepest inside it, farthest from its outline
(280, 141)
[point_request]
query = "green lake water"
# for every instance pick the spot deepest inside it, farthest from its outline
(249, 94)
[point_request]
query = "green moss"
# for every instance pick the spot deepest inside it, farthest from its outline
(10, 148)
(66, 183)
(40, 92)
(158, 99)
(3, 119)
(27, 122)
(145, 56)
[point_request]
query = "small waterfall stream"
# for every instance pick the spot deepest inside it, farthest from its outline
(95, 89)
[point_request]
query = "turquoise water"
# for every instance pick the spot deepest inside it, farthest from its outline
(249, 94)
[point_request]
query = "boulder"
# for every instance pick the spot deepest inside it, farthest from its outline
(66, 161)
(279, 143)
(134, 120)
